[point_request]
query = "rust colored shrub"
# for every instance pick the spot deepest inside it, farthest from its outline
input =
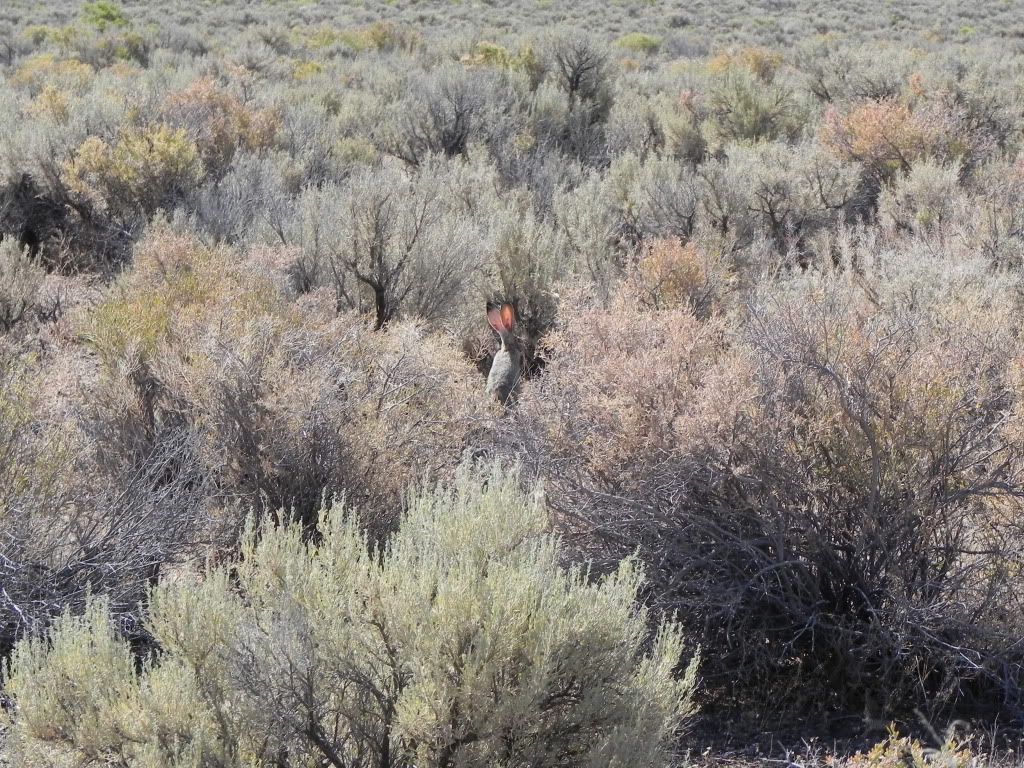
(888, 137)
(672, 274)
(218, 123)
(884, 135)
(763, 63)
(626, 395)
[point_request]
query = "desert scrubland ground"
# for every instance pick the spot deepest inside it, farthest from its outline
(427, 383)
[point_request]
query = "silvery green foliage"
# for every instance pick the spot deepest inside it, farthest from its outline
(462, 641)
(443, 110)
(922, 199)
(392, 242)
(634, 125)
(592, 233)
(572, 109)
(788, 191)
(530, 261)
(833, 72)
(251, 203)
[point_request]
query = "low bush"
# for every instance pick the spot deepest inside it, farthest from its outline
(827, 495)
(143, 170)
(745, 109)
(671, 274)
(393, 244)
(898, 751)
(639, 42)
(20, 280)
(75, 525)
(103, 14)
(925, 198)
(883, 135)
(763, 63)
(286, 400)
(788, 192)
(997, 224)
(36, 72)
(218, 123)
(462, 641)
(888, 136)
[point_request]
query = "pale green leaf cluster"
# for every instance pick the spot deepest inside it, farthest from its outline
(461, 641)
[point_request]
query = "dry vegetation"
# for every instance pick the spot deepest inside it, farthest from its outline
(767, 271)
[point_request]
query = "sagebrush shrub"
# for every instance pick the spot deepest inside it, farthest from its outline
(789, 192)
(746, 109)
(462, 641)
(218, 123)
(20, 280)
(400, 246)
(286, 399)
(143, 170)
(826, 484)
(998, 215)
(77, 523)
(924, 198)
(578, 69)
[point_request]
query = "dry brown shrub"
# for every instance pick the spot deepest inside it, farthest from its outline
(72, 524)
(885, 135)
(670, 273)
(288, 401)
(763, 63)
(219, 123)
(827, 498)
(888, 136)
(627, 399)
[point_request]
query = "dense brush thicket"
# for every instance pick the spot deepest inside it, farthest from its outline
(462, 641)
(769, 299)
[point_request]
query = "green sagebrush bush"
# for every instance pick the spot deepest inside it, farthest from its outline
(102, 14)
(389, 243)
(745, 109)
(923, 198)
(462, 641)
(780, 191)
